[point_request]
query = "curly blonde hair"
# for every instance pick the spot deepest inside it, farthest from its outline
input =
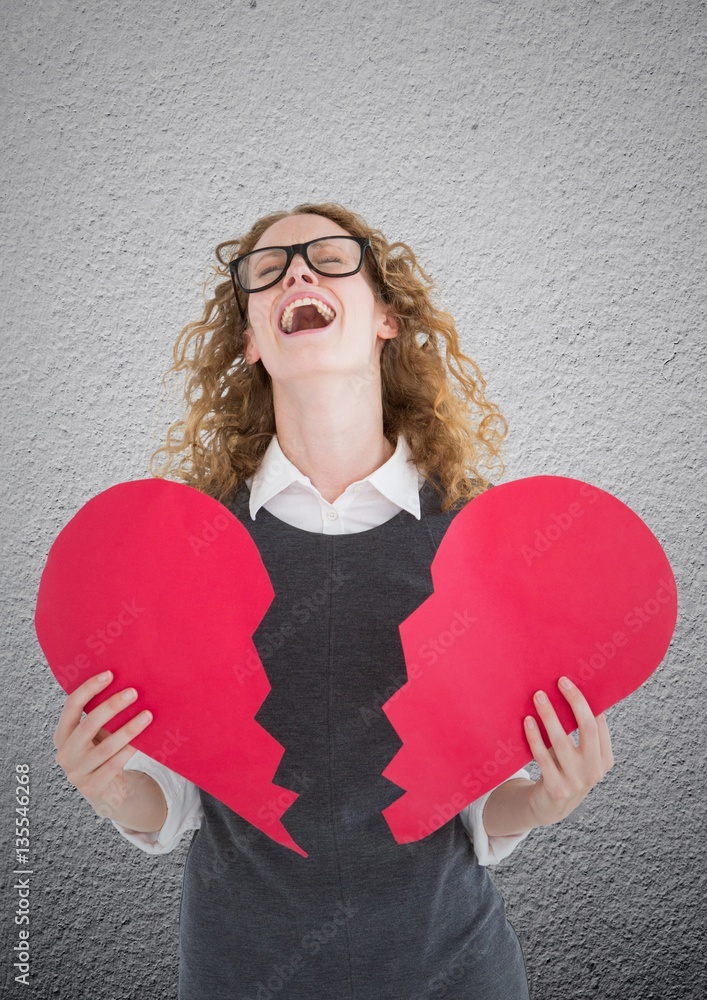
(453, 431)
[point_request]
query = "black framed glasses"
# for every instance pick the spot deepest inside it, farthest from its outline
(332, 256)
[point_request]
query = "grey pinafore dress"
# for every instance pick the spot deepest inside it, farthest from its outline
(363, 917)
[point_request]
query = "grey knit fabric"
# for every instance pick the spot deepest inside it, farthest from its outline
(363, 917)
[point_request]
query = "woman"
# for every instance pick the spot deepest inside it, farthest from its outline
(322, 414)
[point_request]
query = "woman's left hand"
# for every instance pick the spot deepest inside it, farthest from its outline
(567, 772)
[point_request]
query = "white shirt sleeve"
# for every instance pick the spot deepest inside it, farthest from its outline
(489, 850)
(184, 809)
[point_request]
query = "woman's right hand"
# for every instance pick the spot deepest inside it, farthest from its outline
(91, 757)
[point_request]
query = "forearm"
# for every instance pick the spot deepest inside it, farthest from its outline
(141, 805)
(506, 811)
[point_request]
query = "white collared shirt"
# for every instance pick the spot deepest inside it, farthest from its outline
(283, 491)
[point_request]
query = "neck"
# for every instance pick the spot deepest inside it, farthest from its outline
(332, 432)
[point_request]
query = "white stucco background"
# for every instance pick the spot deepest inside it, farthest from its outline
(546, 163)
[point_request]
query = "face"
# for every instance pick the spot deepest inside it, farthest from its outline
(351, 342)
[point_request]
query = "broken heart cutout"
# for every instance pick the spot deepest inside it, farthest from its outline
(533, 579)
(164, 586)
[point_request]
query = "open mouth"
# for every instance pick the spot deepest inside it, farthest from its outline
(312, 315)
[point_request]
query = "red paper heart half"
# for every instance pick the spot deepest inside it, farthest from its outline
(533, 579)
(164, 586)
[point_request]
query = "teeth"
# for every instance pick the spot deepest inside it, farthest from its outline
(322, 308)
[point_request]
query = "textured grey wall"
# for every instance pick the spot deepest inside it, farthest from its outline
(546, 161)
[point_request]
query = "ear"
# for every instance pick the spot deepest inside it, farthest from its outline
(250, 348)
(389, 327)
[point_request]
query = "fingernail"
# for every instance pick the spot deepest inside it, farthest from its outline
(529, 721)
(106, 675)
(145, 716)
(129, 694)
(540, 698)
(566, 683)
